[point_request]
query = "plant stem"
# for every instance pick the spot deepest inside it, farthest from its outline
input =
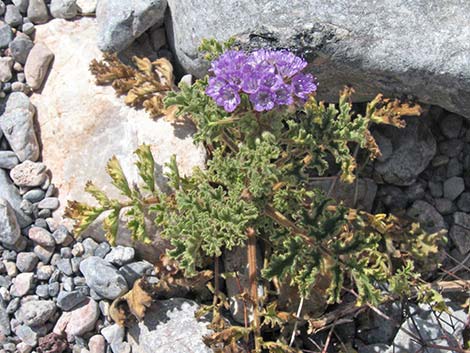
(252, 267)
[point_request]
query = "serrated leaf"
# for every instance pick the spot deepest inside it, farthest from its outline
(119, 180)
(99, 195)
(146, 166)
(111, 224)
(82, 214)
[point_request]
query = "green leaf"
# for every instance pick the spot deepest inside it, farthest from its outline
(111, 224)
(146, 166)
(99, 195)
(114, 169)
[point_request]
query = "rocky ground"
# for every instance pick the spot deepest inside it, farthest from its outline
(56, 290)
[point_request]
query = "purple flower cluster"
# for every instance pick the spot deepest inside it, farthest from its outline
(269, 77)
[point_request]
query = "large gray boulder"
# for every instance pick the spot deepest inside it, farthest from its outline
(415, 47)
(122, 21)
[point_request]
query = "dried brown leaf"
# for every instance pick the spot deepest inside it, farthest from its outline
(134, 302)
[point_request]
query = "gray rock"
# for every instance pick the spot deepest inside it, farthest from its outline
(451, 125)
(29, 174)
(453, 187)
(120, 22)
(114, 335)
(22, 5)
(415, 192)
(37, 11)
(64, 8)
(37, 65)
(441, 330)
(44, 253)
(133, 271)
(102, 249)
(427, 216)
(169, 326)
(20, 48)
(393, 197)
(34, 195)
(28, 28)
(2, 8)
(10, 232)
(103, 278)
(5, 329)
(27, 335)
(44, 272)
(62, 236)
(451, 148)
(120, 255)
(372, 329)
(22, 284)
(65, 266)
(413, 149)
(8, 159)
(53, 289)
(460, 232)
(90, 246)
(51, 203)
(13, 16)
(36, 312)
(355, 42)
(6, 64)
(444, 206)
(13, 305)
(18, 127)
(363, 192)
(158, 40)
(69, 300)
(42, 291)
(463, 202)
(41, 236)
(454, 168)
(6, 35)
(26, 261)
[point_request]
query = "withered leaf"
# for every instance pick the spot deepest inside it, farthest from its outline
(134, 302)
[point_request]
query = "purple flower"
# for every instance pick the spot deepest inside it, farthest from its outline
(289, 64)
(263, 99)
(303, 85)
(229, 65)
(269, 77)
(225, 94)
(283, 95)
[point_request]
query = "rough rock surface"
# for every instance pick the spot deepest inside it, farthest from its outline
(376, 46)
(9, 192)
(169, 326)
(77, 143)
(17, 126)
(120, 22)
(9, 228)
(413, 148)
(103, 278)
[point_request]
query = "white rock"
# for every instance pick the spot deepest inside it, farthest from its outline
(87, 7)
(83, 125)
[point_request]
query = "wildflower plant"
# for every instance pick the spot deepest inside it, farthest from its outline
(268, 141)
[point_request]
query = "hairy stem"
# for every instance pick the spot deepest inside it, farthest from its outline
(252, 267)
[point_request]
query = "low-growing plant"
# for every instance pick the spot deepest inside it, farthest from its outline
(268, 141)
